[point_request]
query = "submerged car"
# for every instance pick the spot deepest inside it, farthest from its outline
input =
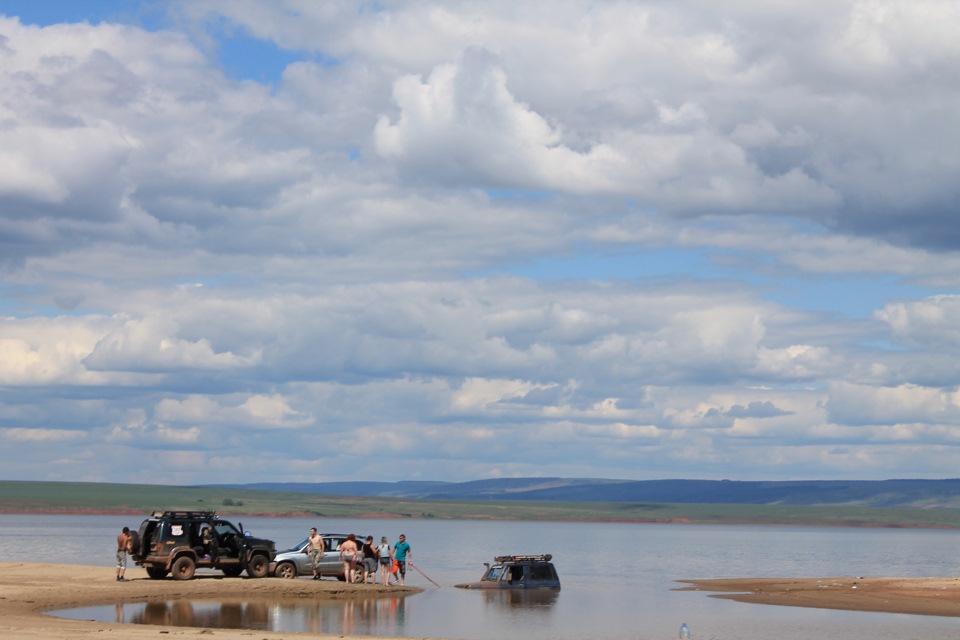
(295, 561)
(517, 572)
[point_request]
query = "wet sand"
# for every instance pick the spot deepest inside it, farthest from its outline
(29, 589)
(921, 596)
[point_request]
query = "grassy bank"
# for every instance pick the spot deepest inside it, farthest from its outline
(83, 497)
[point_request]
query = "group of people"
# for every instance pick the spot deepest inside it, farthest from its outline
(361, 559)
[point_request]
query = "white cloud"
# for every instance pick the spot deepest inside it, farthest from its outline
(42, 435)
(908, 403)
(575, 228)
(150, 345)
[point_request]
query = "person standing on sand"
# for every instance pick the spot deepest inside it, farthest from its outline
(369, 560)
(348, 553)
(315, 546)
(386, 560)
(402, 554)
(124, 545)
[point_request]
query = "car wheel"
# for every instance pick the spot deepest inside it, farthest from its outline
(258, 566)
(286, 570)
(157, 573)
(183, 568)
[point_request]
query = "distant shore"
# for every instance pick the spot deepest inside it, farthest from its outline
(396, 516)
(115, 499)
(918, 596)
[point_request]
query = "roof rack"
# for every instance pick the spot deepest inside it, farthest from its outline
(546, 557)
(204, 513)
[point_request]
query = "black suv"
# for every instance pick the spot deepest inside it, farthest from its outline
(177, 542)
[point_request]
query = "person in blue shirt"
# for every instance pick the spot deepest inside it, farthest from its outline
(402, 554)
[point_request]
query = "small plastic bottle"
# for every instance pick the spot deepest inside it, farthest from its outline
(684, 632)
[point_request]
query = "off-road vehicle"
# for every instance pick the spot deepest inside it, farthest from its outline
(517, 572)
(179, 542)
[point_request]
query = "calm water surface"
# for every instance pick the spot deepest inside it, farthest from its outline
(618, 579)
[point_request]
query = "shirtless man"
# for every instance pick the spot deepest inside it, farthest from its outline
(315, 546)
(124, 544)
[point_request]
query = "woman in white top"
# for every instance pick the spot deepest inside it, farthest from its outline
(386, 561)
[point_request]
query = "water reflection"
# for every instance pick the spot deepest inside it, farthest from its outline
(531, 600)
(344, 617)
(368, 616)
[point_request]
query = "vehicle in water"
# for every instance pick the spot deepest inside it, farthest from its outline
(517, 572)
(177, 543)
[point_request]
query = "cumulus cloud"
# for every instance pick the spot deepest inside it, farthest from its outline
(151, 345)
(601, 234)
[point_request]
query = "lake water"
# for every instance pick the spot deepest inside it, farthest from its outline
(618, 579)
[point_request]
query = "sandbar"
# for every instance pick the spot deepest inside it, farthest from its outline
(27, 590)
(919, 596)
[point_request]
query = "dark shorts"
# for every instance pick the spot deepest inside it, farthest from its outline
(402, 567)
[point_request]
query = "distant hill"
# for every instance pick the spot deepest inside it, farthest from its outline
(863, 493)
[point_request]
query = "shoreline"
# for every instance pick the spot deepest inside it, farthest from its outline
(916, 596)
(29, 590)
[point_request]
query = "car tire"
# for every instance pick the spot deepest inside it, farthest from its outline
(157, 573)
(258, 566)
(183, 568)
(286, 570)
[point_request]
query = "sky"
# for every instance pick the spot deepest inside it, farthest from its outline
(294, 241)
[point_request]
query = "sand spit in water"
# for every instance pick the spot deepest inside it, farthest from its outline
(921, 596)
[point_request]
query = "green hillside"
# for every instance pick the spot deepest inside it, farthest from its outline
(83, 497)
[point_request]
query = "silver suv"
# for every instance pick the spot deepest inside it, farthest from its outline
(296, 561)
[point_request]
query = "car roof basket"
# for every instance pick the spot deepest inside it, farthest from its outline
(192, 515)
(546, 557)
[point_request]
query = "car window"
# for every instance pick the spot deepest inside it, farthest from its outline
(493, 574)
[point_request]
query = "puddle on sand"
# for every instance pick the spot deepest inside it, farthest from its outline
(363, 616)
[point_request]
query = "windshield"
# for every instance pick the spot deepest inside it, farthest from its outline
(493, 574)
(300, 545)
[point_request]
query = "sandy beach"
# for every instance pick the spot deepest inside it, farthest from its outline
(29, 589)
(921, 596)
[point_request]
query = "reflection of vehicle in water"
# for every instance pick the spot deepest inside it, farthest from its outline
(518, 572)
(368, 616)
(530, 600)
(220, 615)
